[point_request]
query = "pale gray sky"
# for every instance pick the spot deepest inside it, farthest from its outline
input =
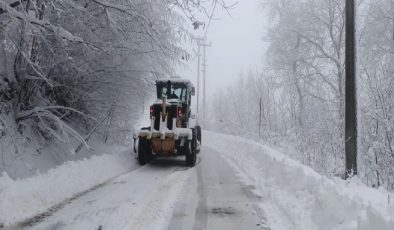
(237, 45)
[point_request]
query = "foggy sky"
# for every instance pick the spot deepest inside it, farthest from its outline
(237, 45)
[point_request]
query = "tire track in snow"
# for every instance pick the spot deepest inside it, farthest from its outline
(156, 211)
(180, 208)
(32, 221)
(202, 209)
(254, 200)
(277, 214)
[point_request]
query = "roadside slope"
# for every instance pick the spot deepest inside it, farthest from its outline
(296, 197)
(25, 198)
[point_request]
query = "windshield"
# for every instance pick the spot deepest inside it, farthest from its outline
(178, 91)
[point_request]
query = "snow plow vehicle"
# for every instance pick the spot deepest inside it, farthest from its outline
(170, 133)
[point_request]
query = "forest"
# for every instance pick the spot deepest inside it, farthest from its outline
(71, 68)
(301, 88)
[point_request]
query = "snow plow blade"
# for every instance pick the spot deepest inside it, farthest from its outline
(164, 147)
(163, 143)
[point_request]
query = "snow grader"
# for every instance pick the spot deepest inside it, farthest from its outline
(170, 132)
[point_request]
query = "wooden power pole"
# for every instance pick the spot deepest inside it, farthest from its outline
(350, 92)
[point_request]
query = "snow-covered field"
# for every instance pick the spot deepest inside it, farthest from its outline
(296, 197)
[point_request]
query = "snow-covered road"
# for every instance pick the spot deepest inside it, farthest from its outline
(216, 199)
(236, 184)
(164, 195)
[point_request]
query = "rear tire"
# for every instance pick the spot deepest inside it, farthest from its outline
(144, 151)
(191, 156)
(198, 128)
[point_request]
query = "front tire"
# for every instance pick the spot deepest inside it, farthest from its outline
(191, 156)
(144, 151)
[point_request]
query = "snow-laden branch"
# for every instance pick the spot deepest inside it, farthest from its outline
(21, 115)
(130, 12)
(322, 76)
(320, 48)
(52, 124)
(59, 31)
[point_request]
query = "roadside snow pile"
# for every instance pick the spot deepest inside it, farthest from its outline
(24, 198)
(296, 197)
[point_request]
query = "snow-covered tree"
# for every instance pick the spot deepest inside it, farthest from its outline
(302, 87)
(376, 71)
(69, 65)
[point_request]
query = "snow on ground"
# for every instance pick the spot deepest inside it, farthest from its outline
(141, 199)
(22, 156)
(293, 195)
(296, 197)
(24, 198)
(156, 208)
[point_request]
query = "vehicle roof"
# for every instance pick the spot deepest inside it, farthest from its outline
(175, 80)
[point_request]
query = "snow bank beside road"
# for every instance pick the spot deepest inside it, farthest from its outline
(21, 199)
(296, 197)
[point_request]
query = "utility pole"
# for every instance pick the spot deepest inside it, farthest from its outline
(260, 119)
(198, 78)
(350, 92)
(201, 42)
(204, 80)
